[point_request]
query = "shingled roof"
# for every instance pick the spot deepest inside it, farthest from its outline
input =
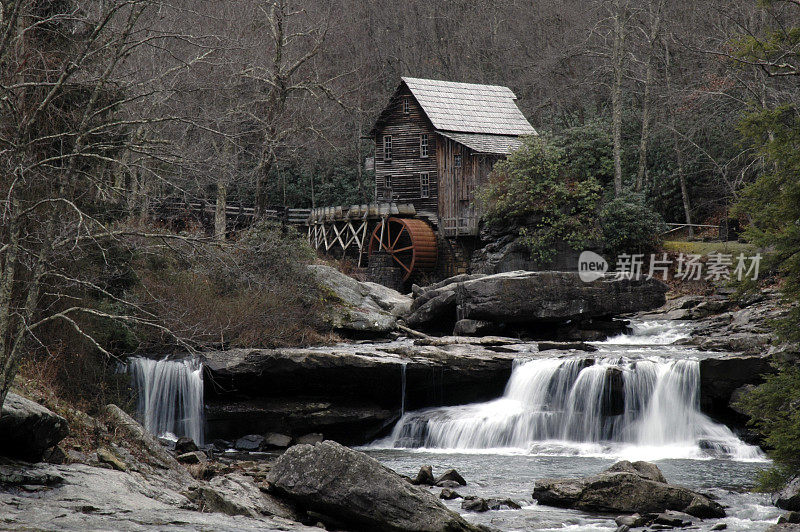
(469, 107)
(484, 118)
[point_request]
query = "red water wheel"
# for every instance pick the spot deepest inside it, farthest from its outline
(410, 242)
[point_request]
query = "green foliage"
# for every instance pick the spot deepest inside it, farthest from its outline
(772, 201)
(774, 409)
(535, 185)
(588, 148)
(630, 226)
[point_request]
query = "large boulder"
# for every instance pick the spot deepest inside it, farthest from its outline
(625, 487)
(364, 307)
(789, 497)
(526, 297)
(28, 429)
(357, 490)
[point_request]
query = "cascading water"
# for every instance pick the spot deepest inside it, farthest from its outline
(618, 401)
(170, 396)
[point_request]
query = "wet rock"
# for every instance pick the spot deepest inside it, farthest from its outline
(448, 484)
(192, 458)
(673, 519)
(475, 504)
(273, 440)
(633, 520)
(790, 517)
(311, 439)
(424, 476)
(721, 376)
(622, 528)
(788, 498)
(719, 526)
(452, 475)
(624, 488)
(563, 346)
(185, 445)
(784, 527)
(27, 429)
(641, 468)
(448, 494)
(251, 442)
(498, 504)
(357, 489)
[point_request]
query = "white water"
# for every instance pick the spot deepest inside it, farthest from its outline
(169, 396)
(573, 406)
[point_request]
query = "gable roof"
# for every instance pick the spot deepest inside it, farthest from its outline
(469, 107)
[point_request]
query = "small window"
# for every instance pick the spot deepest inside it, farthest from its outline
(424, 185)
(387, 187)
(457, 160)
(406, 106)
(387, 147)
(423, 145)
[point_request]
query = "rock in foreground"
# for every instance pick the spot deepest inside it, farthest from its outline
(625, 487)
(27, 429)
(357, 490)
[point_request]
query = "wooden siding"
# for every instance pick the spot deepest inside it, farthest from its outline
(406, 164)
(457, 185)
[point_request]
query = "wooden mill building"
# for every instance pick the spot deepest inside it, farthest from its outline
(436, 142)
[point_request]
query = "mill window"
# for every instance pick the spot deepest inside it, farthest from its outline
(424, 185)
(423, 145)
(387, 147)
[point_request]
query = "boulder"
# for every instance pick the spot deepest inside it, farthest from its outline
(194, 457)
(28, 429)
(185, 445)
(473, 328)
(311, 439)
(358, 490)
(237, 494)
(448, 494)
(721, 376)
(790, 517)
(498, 504)
(452, 475)
(788, 498)
(108, 457)
(424, 476)
(434, 310)
(364, 307)
(274, 440)
(633, 520)
(531, 297)
(625, 488)
(251, 442)
(475, 504)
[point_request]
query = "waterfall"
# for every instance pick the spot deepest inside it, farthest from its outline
(403, 368)
(612, 403)
(169, 396)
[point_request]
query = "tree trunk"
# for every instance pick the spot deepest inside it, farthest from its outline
(616, 95)
(687, 208)
(220, 218)
(641, 173)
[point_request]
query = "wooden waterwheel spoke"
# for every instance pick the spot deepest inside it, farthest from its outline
(406, 268)
(398, 236)
(403, 249)
(388, 236)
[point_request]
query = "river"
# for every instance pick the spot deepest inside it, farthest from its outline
(563, 416)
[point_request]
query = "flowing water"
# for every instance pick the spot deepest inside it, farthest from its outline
(169, 396)
(636, 398)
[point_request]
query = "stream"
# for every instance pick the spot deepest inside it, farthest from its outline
(561, 416)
